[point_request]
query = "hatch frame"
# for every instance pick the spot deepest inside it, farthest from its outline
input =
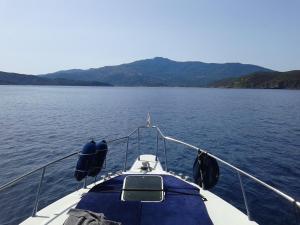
(141, 175)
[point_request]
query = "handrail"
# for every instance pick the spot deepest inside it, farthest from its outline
(12, 182)
(4, 186)
(236, 169)
(159, 133)
(230, 165)
(239, 171)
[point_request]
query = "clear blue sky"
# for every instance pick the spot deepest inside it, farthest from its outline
(48, 35)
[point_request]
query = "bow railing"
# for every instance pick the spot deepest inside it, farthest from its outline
(159, 136)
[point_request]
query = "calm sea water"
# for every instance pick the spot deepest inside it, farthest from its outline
(256, 130)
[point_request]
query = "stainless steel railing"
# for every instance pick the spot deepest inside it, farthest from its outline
(43, 169)
(239, 172)
(160, 135)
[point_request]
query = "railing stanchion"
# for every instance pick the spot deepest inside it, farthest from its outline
(125, 164)
(36, 203)
(297, 212)
(244, 196)
(84, 182)
(139, 150)
(156, 145)
(166, 160)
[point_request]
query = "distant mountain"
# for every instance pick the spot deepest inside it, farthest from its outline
(160, 72)
(274, 80)
(21, 79)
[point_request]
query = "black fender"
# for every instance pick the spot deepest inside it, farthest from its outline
(206, 171)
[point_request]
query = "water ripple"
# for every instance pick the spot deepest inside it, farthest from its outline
(256, 130)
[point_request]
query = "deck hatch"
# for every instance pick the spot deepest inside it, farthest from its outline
(142, 188)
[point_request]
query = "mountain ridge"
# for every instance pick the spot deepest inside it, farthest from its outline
(160, 71)
(8, 78)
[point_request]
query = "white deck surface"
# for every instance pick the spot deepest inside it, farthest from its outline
(220, 212)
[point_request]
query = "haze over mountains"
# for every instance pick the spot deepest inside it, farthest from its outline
(160, 72)
(164, 72)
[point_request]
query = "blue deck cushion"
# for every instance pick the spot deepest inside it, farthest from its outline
(182, 204)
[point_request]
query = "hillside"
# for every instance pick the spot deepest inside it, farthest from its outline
(21, 79)
(160, 72)
(272, 80)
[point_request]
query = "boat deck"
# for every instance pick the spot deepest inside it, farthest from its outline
(182, 203)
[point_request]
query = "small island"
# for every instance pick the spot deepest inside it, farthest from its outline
(263, 80)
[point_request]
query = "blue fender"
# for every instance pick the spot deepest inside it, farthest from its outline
(85, 160)
(100, 156)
